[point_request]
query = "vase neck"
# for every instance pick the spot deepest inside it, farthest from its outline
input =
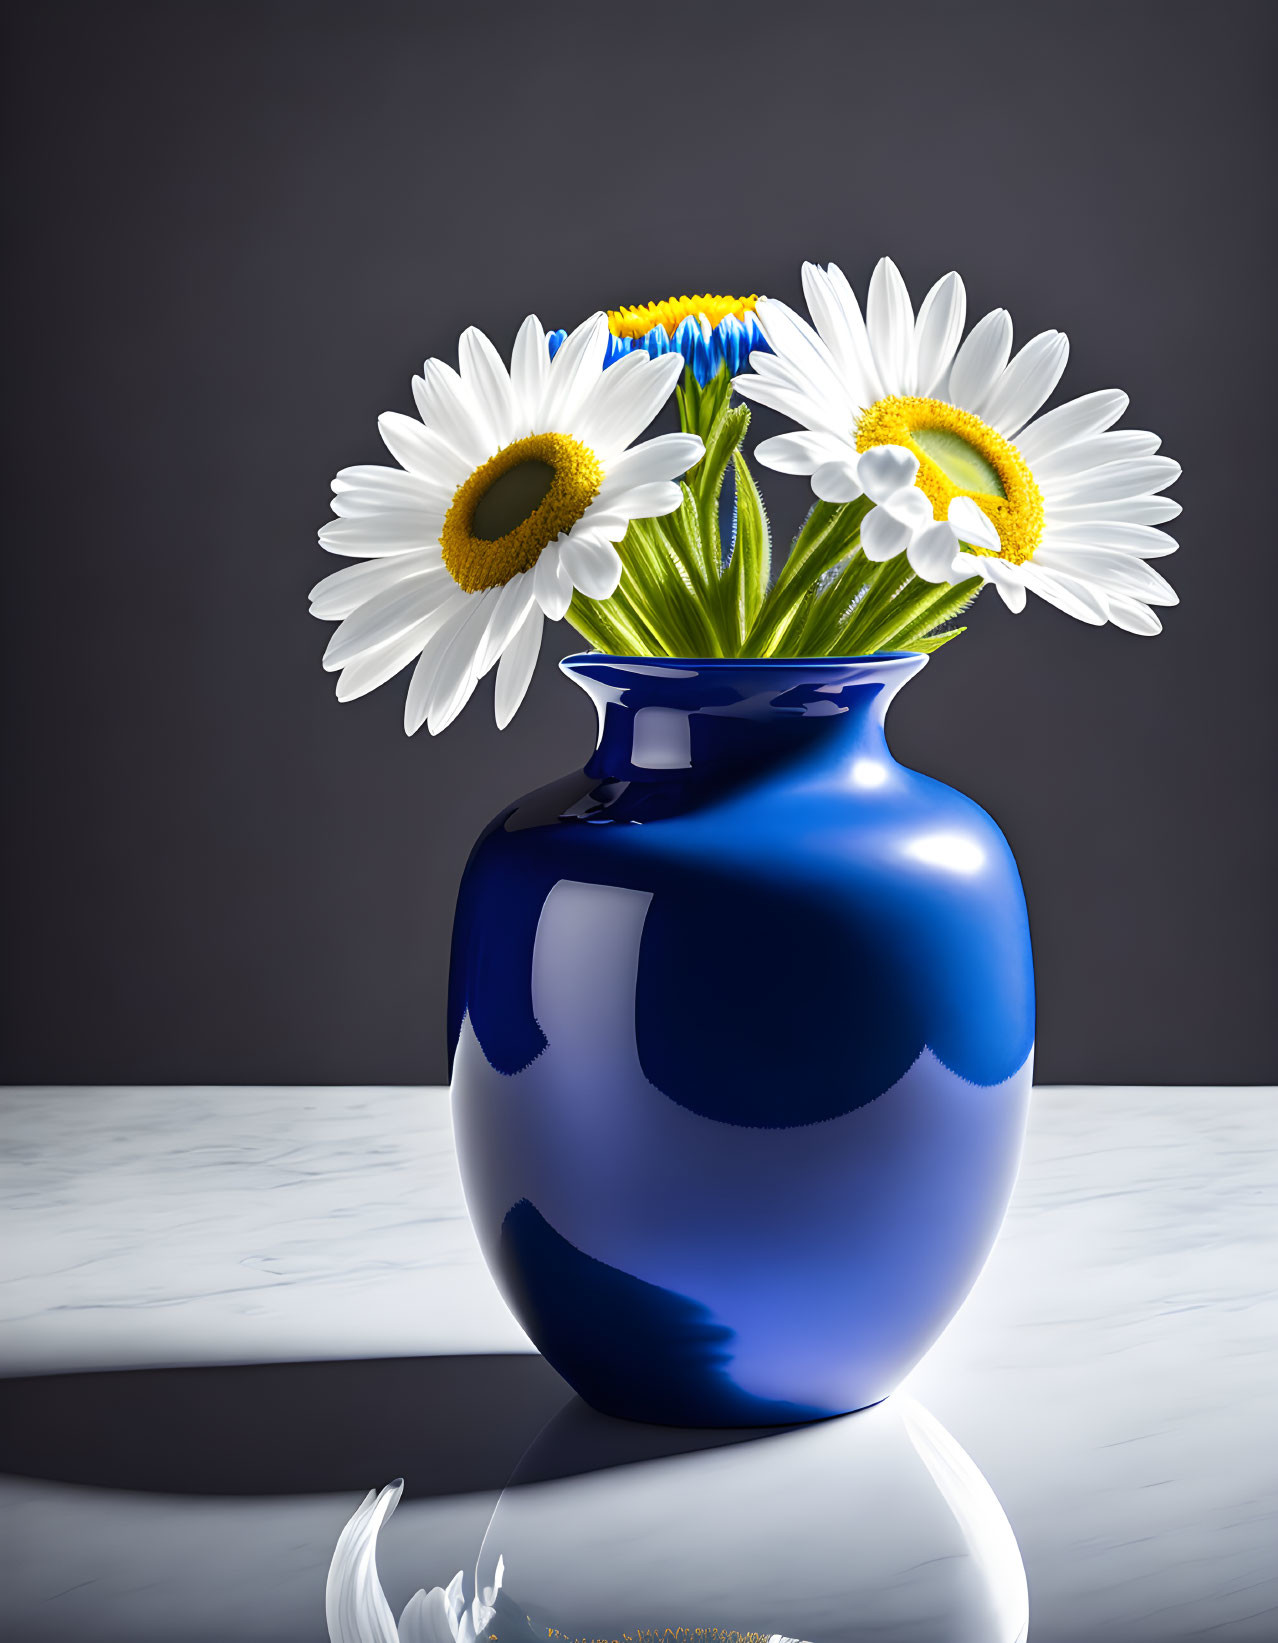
(659, 716)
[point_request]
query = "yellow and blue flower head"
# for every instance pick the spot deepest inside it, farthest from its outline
(712, 333)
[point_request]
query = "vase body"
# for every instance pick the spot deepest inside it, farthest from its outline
(741, 1020)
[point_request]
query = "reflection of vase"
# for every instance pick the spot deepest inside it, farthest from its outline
(742, 1020)
(874, 1526)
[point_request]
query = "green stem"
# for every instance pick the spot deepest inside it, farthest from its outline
(592, 620)
(916, 610)
(829, 533)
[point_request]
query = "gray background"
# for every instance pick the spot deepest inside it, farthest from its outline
(236, 230)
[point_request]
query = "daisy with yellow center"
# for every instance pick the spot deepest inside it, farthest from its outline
(946, 439)
(512, 490)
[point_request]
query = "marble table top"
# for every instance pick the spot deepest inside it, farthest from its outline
(1111, 1379)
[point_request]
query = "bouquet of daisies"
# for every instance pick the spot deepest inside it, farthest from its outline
(526, 492)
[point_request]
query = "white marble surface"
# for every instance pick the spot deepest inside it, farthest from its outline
(235, 1225)
(1112, 1373)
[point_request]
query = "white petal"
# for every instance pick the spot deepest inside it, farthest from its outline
(552, 585)
(609, 394)
(418, 449)
(574, 372)
(1110, 571)
(529, 369)
(446, 708)
(456, 675)
(937, 332)
(885, 469)
(980, 361)
(1067, 593)
(889, 320)
(516, 668)
(449, 410)
(431, 503)
(837, 316)
(1091, 414)
(837, 481)
(595, 570)
(355, 1606)
(782, 368)
(800, 354)
(455, 1599)
(665, 457)
(650, 501)
(1128, 510)
(884, 534)
(1142, 540)
(1005, 578)
(809, 411)
(345, 590)
(1027, 383)
(484, 373)
(1009, 582)
(1132, 616)
(1068, 461)
(629, 394)
(932, 552)
(850, 309)
(385, 616)
(1116, 481)
(972, 525)
(422, 684)
(910, 506)
(802, 453)
(509, 609)
(426, 1619)
(380, 535)
(392, 487)
(375, 667)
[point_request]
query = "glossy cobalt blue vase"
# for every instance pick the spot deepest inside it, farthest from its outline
(742, 1020)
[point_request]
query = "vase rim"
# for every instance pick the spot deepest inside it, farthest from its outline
(876, 658)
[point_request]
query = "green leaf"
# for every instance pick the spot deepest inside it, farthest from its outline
(829, 533)
(951, 604)
(934, 641)
(600, 624)
(884, 584)
(661, 586)
(842, 594)
(920, 607)
(699, 408)
(746, 578)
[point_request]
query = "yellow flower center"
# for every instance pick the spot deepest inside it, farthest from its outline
(515, 505)
(959, 455)
(637, 322)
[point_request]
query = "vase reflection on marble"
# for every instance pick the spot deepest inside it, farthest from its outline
(742, 1030)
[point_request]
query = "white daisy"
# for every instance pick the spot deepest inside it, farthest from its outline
(512, 489)
(355, 1605)
(941, 437)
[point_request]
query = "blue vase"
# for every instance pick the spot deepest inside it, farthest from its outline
(742, 1020)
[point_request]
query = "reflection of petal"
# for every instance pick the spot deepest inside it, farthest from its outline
(976, 1509)
(429, 1617)
(354, 1603)
(484, 1607)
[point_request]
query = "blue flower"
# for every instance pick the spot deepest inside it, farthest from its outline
(707, 349)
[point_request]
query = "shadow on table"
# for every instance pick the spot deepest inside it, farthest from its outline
(449, 1425)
